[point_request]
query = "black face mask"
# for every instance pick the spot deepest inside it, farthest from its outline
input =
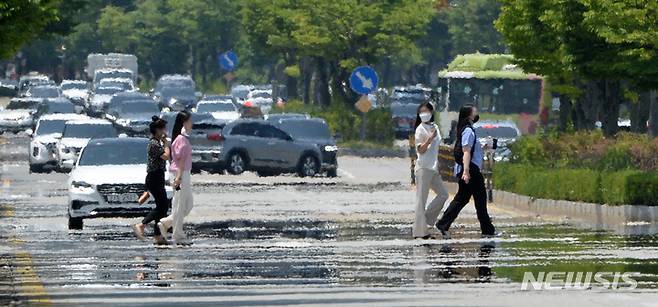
(477, 117)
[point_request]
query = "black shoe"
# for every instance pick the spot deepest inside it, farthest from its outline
(444, 232)
(426, 237)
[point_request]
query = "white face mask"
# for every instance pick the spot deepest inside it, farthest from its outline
(425, 117)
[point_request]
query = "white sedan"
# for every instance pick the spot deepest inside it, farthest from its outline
(108, 179)
(43, 145)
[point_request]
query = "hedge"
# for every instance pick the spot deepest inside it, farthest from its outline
(587, 185)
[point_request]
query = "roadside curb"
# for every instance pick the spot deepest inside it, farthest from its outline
(593, 215)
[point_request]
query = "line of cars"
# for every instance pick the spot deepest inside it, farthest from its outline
(103, 145)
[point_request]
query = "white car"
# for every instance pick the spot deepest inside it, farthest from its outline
(76, 135)
(107, 180)
(18, 115)
(261, 99)
(221, 109)
(43, 146)
(100, 98)
(126, 84)
(75, 90)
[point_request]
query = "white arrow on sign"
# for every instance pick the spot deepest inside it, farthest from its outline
(228, 59)
(366, 82)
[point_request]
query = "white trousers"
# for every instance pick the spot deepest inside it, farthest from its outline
(182, 204)
(427, 179)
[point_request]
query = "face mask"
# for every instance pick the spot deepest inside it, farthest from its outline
(477, 117)
(425, 116)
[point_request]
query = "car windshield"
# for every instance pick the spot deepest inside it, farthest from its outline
(261, 95)
(89, 131)
(130, 108)
(178, 91)
(107, 90)
(300, 129)
(216, 107)
(176, 83)
(113, 74)
(50, 126)
(44, 92)
(495, 131)
(405, 110)
(119, 84)
(74, 86)
(113, 154)
(21, 105)
(60, 108)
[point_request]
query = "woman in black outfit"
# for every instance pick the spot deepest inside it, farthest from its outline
(158, 155)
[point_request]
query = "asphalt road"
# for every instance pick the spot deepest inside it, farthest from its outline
(292, 241)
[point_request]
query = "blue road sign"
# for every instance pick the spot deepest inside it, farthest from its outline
(228, 60)
(363, 80)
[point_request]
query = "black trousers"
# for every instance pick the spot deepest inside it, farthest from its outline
(155, 184)
(476, 188)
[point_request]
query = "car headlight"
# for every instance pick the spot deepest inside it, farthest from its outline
(123, 122)
(331, 148)
(173, 101)
(80, 185)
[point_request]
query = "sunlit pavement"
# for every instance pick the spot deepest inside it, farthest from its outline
(292, 241)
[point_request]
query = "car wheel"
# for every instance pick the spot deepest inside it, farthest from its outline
(75, 223)
(236, 163)
(308, 166)
(35, 169)
(332, 173)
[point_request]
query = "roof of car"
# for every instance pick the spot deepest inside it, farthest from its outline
(45, 86)
(105, 69)
(117, 79)
(214, 101)
(74, 82)
(300, 119)
(64, 116)
(91, 121)
(118, 140)
(505, 123)
(175, 77)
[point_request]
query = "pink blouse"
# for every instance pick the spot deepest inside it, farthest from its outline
(181, 154)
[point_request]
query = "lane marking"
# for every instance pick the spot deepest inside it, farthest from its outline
(28, 283)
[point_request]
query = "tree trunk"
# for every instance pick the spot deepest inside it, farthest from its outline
(640, 113)
(610, 110)
(322, 96)
(565, 113)
(653, 114)
(306, 68)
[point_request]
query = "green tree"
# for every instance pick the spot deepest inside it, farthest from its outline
(22, 20)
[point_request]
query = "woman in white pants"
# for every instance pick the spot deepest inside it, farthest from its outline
(180, 168)
(427, 172)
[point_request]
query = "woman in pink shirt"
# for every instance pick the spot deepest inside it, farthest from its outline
(180, 168)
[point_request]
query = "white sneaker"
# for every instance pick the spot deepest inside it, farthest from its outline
(163, 230)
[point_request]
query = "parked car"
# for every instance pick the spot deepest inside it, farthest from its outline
(313, 131)
(404, 119)
(43, 92)
(505, 131)
(57, 105)
(29, 80)
(43, 143)
(260, 146)
(99, 99)
(261, 99)
(75, 137)
(126, 84)
(76, 90)
(110, 73)
(206, 138)
(8, 87)
(176, 92)
(133, 117)
(108, 179)
(222, 108)
(18, 115)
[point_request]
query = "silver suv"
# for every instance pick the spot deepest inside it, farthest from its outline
(260, 146)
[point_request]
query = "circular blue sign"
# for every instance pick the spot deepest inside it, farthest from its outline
(228, 60)
(364, 80)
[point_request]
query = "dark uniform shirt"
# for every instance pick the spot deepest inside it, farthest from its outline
(155, 150)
